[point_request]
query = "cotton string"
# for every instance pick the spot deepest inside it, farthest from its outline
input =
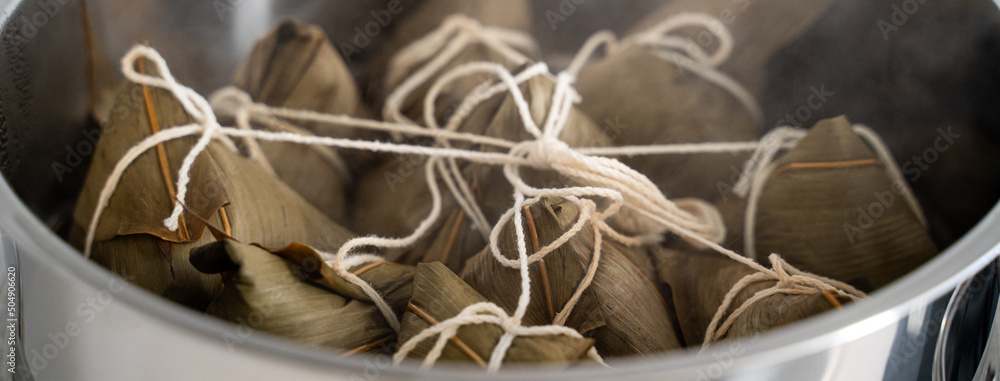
(456, 33)
(232, 98)
(790, 281)
(681, 51)
(756, 173)
(510, 171)
(760, 166)
(546, 152)
(243, 121)
(199, 110)
(580, 168)
(468, 29)
(781, 273)
(448, 328)
(342, 263)
(465, 198)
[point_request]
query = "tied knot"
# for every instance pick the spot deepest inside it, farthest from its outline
(785, 280)
(790, 281)
(511, 324)
(194, 104)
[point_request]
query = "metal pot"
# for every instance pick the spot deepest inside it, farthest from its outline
(70, 319)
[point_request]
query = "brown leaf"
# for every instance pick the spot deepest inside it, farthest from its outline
(455, 242)
(553, 280)
(669, 104)
(666, 105)
(393, 199)
(754, 42)
(294, 66)
(259, 208)
(393, 281)
(428, 16)
(504, 121)
(439, 294)
(700, 280)
(267, 296)
(830, 208)
(622, 306)
(102, 86)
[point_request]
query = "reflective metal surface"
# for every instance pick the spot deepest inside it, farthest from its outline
(967, 348)
(77, 321)
(989, 367)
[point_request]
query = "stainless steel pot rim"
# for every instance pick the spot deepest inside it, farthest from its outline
(953, 266)
(942, 343)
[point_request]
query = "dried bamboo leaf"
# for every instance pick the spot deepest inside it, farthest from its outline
(623, 307)
(638, 319)
(225, 190)
(733, 209)
(102, 85)
(553, 280)
(683, 106)
(669, 105)
(146, 180)
(456, 242)
(393, 281)
(830, 208)
(499, 117)
(455, 93)
(294, 66)
(439, 294)
(310, 172)
(393, 199)
(266, 295)
(754, 42)
(428, 16)
(504, 121)
(698, 282)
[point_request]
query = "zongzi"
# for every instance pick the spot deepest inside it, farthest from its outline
(698, 282)
(429, 16)
(439, 294)
(830, 207)
(294, 66)
(622, 308)
(393, 199)
(226, 190)
(266, 292)
(668, 105)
